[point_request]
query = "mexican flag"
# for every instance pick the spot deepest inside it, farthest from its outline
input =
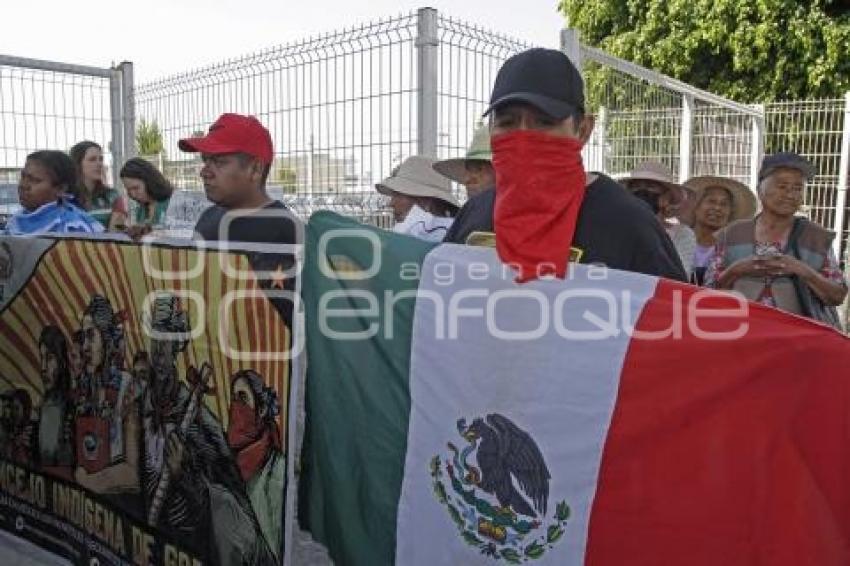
(456, 417)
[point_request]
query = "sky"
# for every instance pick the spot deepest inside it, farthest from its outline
(164, 37)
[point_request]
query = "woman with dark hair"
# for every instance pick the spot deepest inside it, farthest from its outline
(45, 191)
(149, 189)
(55, 438)
(105, 204)
(254, 437)
(654, 184)
(717, 201)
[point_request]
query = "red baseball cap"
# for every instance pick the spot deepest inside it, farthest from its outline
(234, 133)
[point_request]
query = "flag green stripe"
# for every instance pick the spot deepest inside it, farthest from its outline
(355, 439)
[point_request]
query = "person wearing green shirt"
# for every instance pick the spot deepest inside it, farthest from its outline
(107, 205)
(151, 192)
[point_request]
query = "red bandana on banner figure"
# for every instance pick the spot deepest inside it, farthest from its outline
(540, 184)
(250, 443)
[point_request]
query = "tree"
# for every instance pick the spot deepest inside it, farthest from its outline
(751, 51)
(288, 179)
(149, 138)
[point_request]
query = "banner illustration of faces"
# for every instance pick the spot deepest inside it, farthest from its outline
(143, 402)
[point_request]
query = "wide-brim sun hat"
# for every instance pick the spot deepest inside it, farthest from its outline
(744, 203)
(656, 173)
(479, 150)
(416, 177)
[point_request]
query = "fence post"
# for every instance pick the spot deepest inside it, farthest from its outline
(129, 109)
(116, 145)
(601, 131)
(841, 194)
(427, 75)
(686, 136)
(757, 146)
(571, 46)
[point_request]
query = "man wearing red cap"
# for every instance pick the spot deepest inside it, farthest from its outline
(237, 154)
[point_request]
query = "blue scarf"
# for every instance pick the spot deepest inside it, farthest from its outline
(59, 217)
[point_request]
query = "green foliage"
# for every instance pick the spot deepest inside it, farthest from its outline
(287, 177)
(752, 51)
(149, 138)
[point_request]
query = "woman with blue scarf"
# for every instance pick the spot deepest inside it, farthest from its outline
(44, 191)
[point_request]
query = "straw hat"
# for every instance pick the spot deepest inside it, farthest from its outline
(657, 173)
(479, 150)
(743, 199)
(416, 177)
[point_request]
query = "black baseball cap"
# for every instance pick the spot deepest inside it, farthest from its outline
(785, 160)
(544, 78)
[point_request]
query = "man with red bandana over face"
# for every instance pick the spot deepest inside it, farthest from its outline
(546, 210)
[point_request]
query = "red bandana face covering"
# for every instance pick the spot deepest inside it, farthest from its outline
(540, 185)
(251, 443)
(244, 426)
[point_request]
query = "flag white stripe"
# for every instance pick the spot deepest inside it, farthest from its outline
(557, 388)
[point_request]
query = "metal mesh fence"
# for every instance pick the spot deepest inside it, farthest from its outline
(642, 115)
(340, 108)
(469, 59)
(635, 120)
(49, 110)
(722, 143)
(345, 107)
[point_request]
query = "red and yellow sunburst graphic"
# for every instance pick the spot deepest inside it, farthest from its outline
(72, 271)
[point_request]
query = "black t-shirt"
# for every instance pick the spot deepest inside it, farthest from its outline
(276, 224)
(267, 227)
(614, 229)
(476, 215)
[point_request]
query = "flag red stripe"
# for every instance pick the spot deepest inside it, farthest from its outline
(727, 452)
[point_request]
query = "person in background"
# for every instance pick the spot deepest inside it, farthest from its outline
(779, 259)
(151, 192)
(654, 184)
(107, 205)
(421, 199)
(475, 170)
(45, 191)
(716, 202)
